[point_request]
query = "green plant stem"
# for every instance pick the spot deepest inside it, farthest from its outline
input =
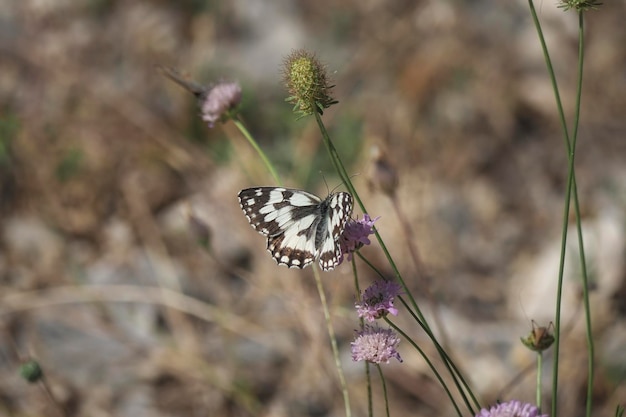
(559, 296)
(368, 376)
(428, 362)
(318, 281)
(571, 186)
(333, 340)
(244, 131)
(370, 403)
(382, 380)
(334, 156)
(539, 373)
(369, 264)
(581, 246)
(454, 371)
(341, 170)
(419, 265)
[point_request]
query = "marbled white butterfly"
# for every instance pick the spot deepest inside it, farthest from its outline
(300, 227)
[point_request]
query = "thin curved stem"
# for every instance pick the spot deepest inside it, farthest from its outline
(539, 374)
(384, 383)
(333, 341)
(571, 188)
(244, 131)
(429, 363)
(581, 246)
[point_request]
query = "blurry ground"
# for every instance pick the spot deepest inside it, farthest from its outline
(101, 160)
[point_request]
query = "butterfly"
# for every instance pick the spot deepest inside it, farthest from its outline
(300, 227)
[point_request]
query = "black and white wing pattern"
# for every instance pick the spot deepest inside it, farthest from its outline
(300, 227)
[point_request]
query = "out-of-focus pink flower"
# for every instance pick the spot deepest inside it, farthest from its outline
(220, 99)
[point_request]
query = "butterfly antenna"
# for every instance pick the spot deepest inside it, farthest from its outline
(355, 175)
(325, 183)
(351, 176)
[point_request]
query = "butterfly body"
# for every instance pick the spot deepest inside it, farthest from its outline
(299, 226)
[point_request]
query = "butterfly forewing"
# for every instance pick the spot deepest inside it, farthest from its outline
(269, 209)
(300, 227)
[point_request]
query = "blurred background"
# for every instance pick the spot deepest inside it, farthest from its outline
(103, 161)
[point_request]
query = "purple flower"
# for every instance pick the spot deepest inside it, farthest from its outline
(377, 300)
(355, 235)
(220, 99)
(511, 409)
(375, 345)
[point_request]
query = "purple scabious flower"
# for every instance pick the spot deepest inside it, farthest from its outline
(375, 345)
(377, 300)
(221, 98)
(355, 235)
(512, 408)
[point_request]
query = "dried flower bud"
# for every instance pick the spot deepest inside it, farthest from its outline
(307, 82)
(199, 230)
(382, 175)
(196, 89)
(539, 339)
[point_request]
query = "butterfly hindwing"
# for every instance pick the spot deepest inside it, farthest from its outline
(291, 255)
(299, 226)
(340, 209)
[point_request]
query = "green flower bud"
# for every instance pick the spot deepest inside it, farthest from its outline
(31, 371)
(307, 82)
(579, 5)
